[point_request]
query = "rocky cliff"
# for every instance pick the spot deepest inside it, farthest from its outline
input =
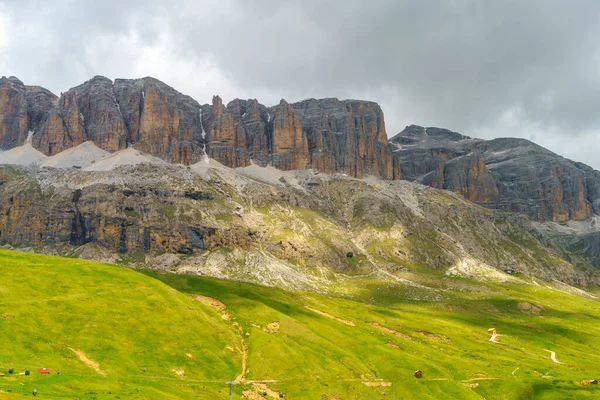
(253, 224)
(328, 135)
(510, 174)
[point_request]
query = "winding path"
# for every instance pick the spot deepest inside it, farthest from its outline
(553, 357)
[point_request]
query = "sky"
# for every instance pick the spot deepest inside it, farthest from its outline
(522, 68)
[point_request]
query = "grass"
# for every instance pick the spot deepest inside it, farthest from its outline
(139, 327)
(135, 327)
(316, 357)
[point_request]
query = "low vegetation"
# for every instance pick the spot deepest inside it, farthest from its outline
(151, 335)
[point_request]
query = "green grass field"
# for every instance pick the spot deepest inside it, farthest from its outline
(153, 340)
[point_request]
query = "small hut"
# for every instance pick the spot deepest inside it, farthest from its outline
(492, 331)
(43, 370)
(418, 374)
(593, 382)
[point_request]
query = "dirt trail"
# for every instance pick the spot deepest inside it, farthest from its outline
(493, 338)
(388, 330)
(87, 361)
(324, 314)
(244, 351)
(553, 357)
(211, 302)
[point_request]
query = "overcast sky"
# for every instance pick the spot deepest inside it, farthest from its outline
(485, 68)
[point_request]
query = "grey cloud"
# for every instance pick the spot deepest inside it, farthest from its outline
(460, 64)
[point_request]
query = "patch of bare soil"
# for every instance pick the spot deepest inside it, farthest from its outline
(90, 363)
(226, 316)
(395, 346)
(189, 355)
(324, 314)
(377, 384)
(273, 327)
(471, 385)
(244, 351)
(434, 336)
(6, 316)
(388, 330)
(257, 392)
(179, 371)
(528, 307)
(211, 302)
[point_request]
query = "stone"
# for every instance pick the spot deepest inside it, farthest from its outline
(513, 175)
(289, 146)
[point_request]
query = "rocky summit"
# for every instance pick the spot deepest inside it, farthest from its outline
(510, 174)
(326, 135)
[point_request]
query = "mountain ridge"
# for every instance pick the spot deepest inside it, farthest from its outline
(327, 135)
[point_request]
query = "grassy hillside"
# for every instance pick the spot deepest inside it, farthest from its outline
(137, 329)
(140, 331)
(316, 357)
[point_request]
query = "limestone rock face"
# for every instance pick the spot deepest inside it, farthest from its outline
(226, 138)
(13, 113)
(289, 145)
(510, 174)
(159, 120)
(346, 136)
(163, 208)
(101, 114)
(328, 135)
(469, 177)
(61, 128)
(255, 119)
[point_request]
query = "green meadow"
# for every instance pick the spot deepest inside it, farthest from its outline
(116, 333)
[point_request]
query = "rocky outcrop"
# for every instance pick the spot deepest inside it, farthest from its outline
(103, 121)
(225, 136)
(306, 223)
(514, 175)
(347, 136)
(469, 177)
(289, 146)
(144, 113)
(14, 119)
(159, 120)
(328, 135)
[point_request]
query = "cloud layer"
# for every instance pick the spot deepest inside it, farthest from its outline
(487, 69)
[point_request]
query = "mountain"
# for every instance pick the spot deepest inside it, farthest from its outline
(510, 174)
(297, 229)
(327, 135)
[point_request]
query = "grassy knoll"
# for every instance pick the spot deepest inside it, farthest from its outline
(144, 330)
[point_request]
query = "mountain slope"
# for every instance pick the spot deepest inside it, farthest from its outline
(109, 331)
(141, 334)
(293, 229)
